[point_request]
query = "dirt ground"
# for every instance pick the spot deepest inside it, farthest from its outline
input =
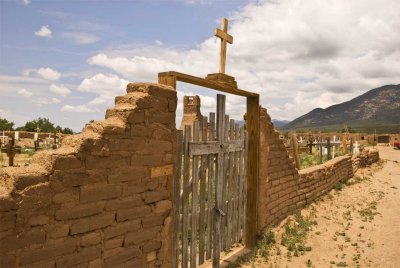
(19, 160)
(357, 226)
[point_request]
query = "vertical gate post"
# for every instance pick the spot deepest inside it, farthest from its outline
(253, 130)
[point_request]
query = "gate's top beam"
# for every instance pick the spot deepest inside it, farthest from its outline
(170, 78)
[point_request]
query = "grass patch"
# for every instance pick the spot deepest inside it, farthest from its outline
(295, 233)
(265, 243)
(369, 212)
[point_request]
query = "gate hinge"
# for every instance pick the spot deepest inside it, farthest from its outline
(220, 211)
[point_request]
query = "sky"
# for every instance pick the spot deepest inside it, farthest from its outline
(67, 60)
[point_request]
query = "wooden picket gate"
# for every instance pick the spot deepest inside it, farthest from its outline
(209, 189)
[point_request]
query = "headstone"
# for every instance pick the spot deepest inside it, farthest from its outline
(3, 140)
(333, 151)
(16, 135)
(356, 149)
(320, 153)
(36, 136)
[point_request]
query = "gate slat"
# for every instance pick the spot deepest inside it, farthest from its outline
(225, 186)
(195, 179)
(236, 189)
(230, 187)
(219, 179)
(202, 218)
(240, 203)
(244, 183)
(177, 192)
(210, 194)
(185, 199)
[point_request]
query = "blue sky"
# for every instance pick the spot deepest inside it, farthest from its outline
(67, 60)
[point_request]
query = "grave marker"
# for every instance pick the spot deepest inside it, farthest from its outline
(225, 38)
(11, 150)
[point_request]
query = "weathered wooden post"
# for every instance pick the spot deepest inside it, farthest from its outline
(351, 145)
(320, 153)
(10, 151)
(310, 144)
(295, 147)
(328, 145)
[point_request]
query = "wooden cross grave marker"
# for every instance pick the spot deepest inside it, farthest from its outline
(11, 150)
(221, 77)
(225, 38)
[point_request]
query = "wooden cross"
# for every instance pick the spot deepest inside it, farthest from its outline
(38, 129)
(11, 150)
(225, 37)
(3, 139)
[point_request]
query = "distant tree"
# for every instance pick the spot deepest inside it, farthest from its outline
(45, 126)
(67, 131)
(43, 123)
(5, 124)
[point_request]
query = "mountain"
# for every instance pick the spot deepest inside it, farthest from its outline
(377, 107)
(279, 123)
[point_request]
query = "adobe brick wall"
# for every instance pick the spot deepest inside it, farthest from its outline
(104, 198)
(365, 158)
(283, 189)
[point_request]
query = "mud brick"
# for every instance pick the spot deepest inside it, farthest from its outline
(125, 255)
(133, 213)
(127, 202)
(66, 162)
(141, 236)
(121, 228)
(48, 251)
(93, 193)
(128, 174)
(79, 211)
(12, 242)
(83, 256)
(92, 223)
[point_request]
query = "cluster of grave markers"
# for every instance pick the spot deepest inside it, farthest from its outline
(10, 148)
(324, 146)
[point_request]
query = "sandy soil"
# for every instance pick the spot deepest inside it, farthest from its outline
(19, 160)
(358, 226)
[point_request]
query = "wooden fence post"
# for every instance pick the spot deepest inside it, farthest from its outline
(253, 130)
(295, 147)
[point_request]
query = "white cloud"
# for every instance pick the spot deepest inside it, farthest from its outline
(158, 42)
(55, 100)
(81, 38)
(25, 93)
(48, 74)
(298, 55)
(45, 101)
(106, 85)
(25, 2)
(78, 109)
(44, 32)
(60, 90)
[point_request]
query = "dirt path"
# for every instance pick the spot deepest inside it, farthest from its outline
(357, 226)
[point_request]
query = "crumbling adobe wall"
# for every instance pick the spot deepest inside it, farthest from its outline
(283, 189)
(365, 158)
(104, 198)
(277, 188)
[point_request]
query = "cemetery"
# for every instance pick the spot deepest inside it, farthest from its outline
(17, 147)
(132, 190)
